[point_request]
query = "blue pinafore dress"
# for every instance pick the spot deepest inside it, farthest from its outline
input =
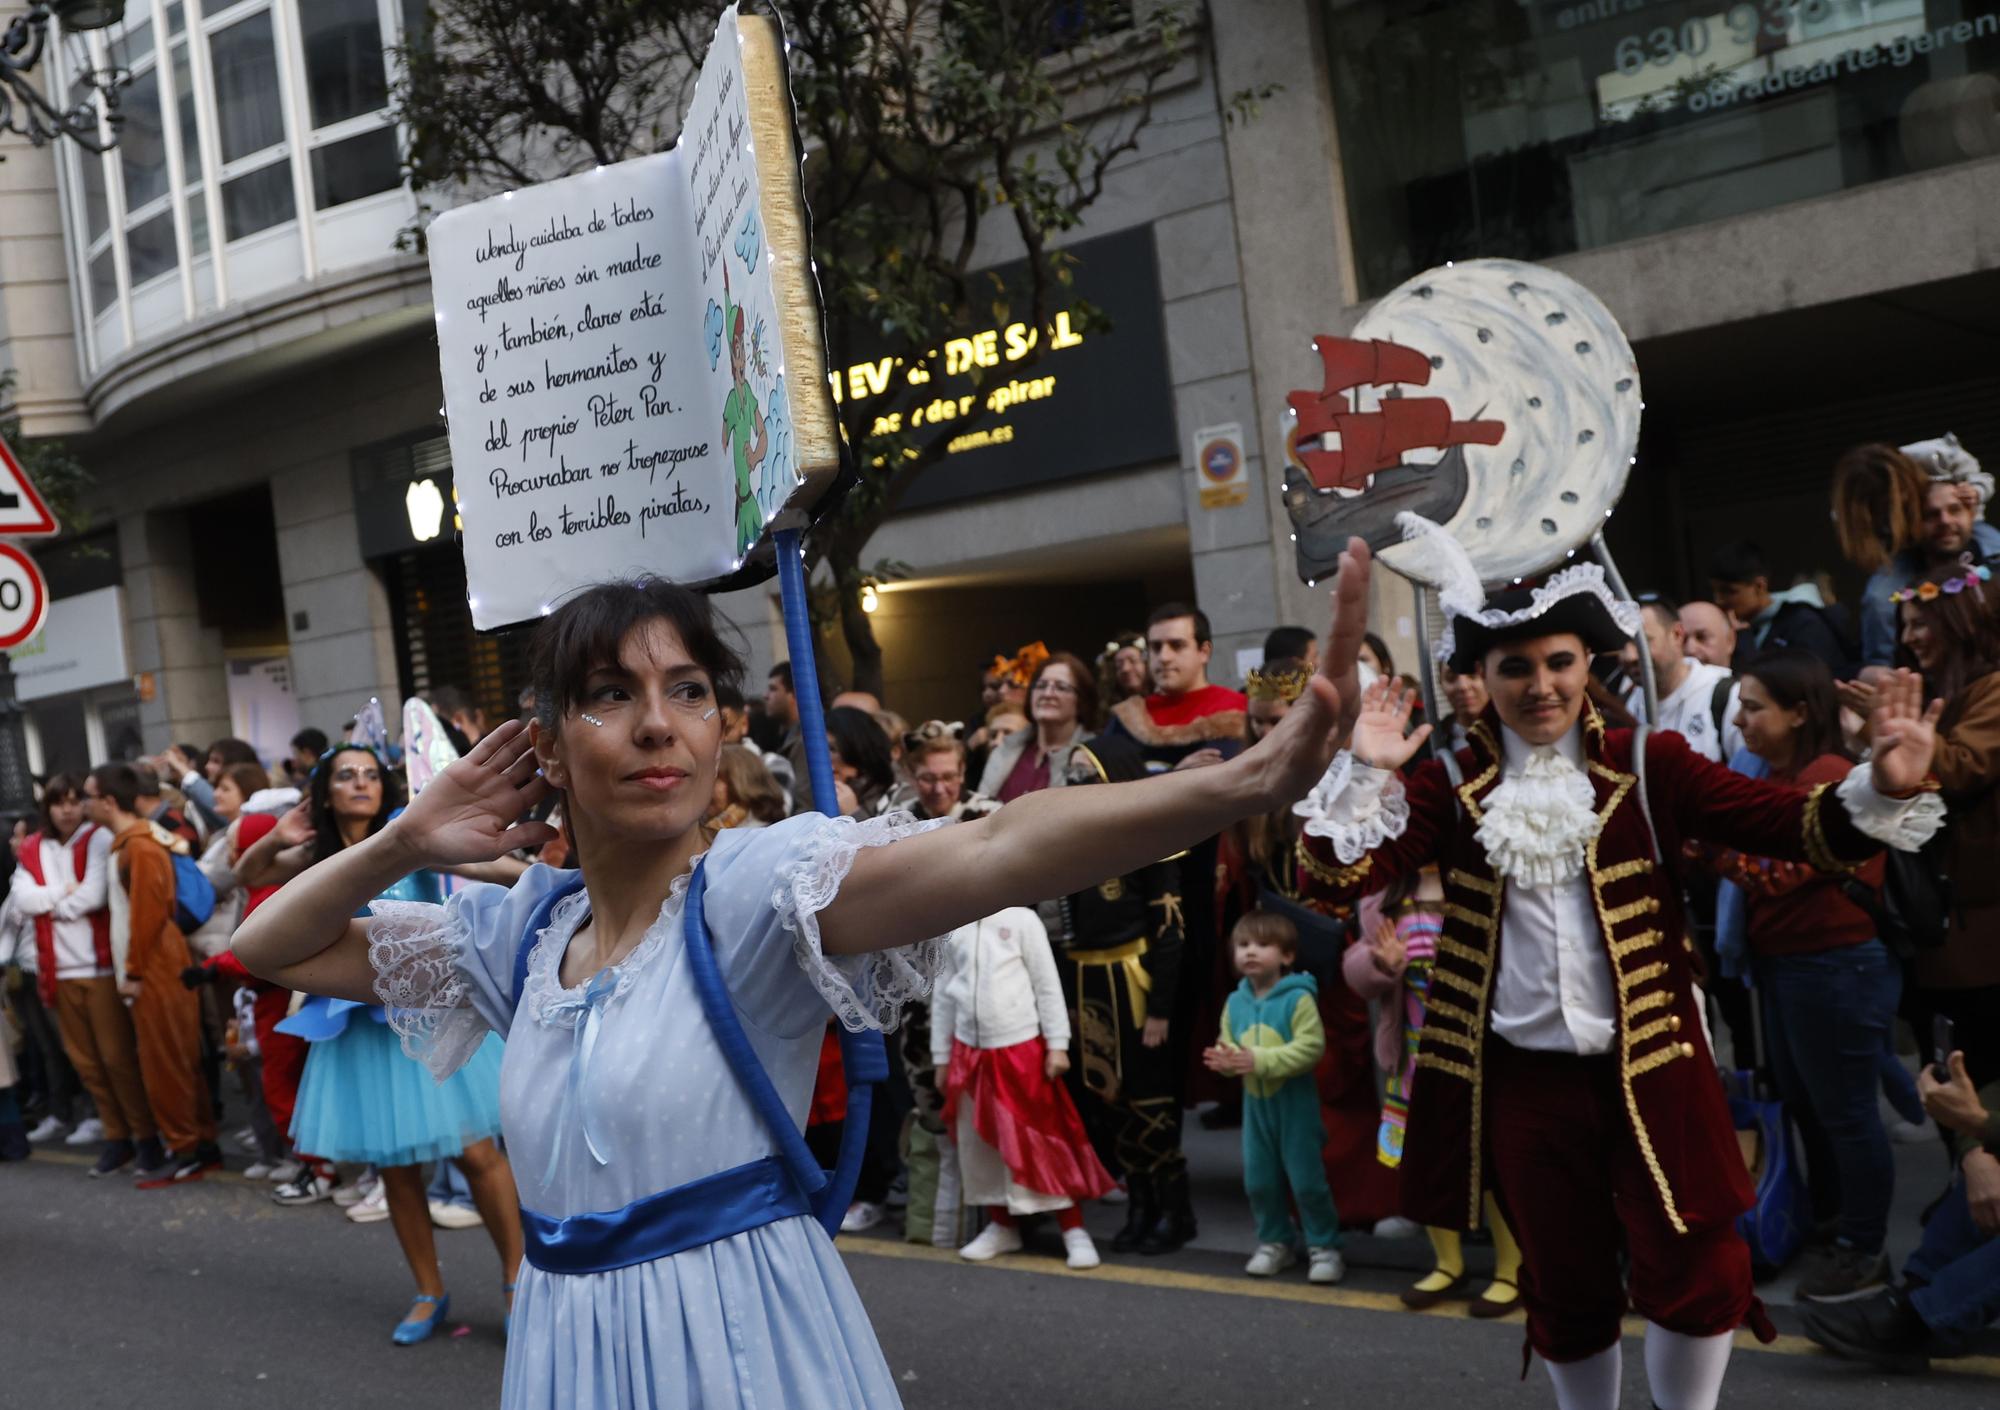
(673, 1259)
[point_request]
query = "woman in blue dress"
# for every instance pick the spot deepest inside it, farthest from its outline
(361, 1098)
(672, 1256)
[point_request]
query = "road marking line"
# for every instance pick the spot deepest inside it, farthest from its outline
(1985, 1366)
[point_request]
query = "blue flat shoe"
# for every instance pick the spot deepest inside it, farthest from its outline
(507, 1322)
(412, 1330)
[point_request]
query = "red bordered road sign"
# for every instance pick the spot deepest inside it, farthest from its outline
(23, 512)
(24, 597)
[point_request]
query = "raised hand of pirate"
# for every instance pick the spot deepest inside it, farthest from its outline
(1382, 736)
(1905, 734)
(473, 811)
(1296, 753)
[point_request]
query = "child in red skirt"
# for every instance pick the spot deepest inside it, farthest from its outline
(1000, 1034)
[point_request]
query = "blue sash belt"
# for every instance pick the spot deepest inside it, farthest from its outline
(687, 1216)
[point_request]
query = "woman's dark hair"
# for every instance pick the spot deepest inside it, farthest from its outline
(861, 745)
(585, 633)
(1967, 627)
(1878, 504)
(249, 779)
(59, 788)
(231, 750)
(1381, 650)
(1086, 688)
(1800, 680)
(326, 828)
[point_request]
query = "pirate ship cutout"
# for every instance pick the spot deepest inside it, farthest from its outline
(1498, 399)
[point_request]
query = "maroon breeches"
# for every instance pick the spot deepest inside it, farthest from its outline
(1573, 1184)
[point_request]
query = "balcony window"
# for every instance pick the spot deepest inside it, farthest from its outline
(142, 145)
(359, 166)
(149, 248)
(257, 201)
(249, 109)
(345, 73)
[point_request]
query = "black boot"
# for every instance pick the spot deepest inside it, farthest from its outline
(1883, 1330)
(1142, 1208)
(1176, 1224)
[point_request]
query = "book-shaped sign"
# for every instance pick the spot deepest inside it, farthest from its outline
(634, 370)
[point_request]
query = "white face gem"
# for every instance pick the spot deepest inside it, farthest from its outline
(592, 720)
(709, 716)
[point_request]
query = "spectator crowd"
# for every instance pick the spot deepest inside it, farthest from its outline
(1066, 1041)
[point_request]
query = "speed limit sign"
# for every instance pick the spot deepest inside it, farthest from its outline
(24, 597)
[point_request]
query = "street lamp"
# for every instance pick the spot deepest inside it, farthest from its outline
(23, 107)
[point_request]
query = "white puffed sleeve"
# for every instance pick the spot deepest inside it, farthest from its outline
(446, 973)
(766, 888)
(1904, 824)
(1355, 807)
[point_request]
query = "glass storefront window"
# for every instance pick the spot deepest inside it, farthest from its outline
(247, 104)
(1533, 128)
(142, 145)
(345, 76)
(149, 248)
(358, 166)
(257, 201)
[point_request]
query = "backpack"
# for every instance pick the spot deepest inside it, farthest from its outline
(1718, 707)
(194, 895)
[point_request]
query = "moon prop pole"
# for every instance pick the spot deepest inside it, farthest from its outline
(1426, 670)
(1617, 581)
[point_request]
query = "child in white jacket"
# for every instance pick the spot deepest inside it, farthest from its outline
(1000, 1034)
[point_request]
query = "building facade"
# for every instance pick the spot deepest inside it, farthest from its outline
(1787, 204)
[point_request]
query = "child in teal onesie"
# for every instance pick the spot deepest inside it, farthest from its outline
(1272, 1039)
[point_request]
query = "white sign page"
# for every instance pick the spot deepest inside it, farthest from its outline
(613, 375)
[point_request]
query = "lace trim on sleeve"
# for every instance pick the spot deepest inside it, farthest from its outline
(1904, 824)
(1355, 807)
(864, 991)
(414, 948)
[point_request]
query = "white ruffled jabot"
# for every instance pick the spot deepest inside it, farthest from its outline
(1538, 824)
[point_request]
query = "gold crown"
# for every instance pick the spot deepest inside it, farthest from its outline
(1282, 686)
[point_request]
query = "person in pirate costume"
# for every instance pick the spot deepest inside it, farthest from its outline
(1120, 945)
(1562, 1061)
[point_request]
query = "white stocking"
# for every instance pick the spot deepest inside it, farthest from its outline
(1589, 1384)
(1686, 1372)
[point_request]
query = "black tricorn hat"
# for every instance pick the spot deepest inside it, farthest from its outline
(1575, 600)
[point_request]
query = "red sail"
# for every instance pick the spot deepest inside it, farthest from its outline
(1377, 440)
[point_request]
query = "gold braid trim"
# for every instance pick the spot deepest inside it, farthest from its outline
(1456, 1069)
(1341, 878)
(1624, 871)
(1639, 1067)
(1645, 906)
(1459, 982)
(1432, 1033)
(1638, 942)
(1818, 852)
(1652, 1030)
(1473, 883)
(1624, 783)
(1659, 998)
(1465, 914)
(1437, 1005)
(1448, 946)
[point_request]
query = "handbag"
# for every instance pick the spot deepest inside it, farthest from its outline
(1912, 911)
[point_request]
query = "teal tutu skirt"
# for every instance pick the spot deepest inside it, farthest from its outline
(363, 1099)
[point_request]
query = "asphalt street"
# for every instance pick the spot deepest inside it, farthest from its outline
(210, 1297)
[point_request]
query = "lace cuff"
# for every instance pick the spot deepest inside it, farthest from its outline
(415, 948)
(1355, 807)
(864, 991)
(1904, 824)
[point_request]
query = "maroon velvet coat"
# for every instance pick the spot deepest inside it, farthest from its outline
(1673, 1102)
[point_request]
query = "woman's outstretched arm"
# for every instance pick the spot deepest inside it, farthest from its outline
(1057, 841)
(307, 937)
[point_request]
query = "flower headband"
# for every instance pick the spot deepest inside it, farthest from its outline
(1282, 686)
(1021, 667)
(1950, 587)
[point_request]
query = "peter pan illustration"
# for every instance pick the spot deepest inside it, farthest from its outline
(742, 423)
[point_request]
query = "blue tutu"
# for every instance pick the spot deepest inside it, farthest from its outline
(363, 1099)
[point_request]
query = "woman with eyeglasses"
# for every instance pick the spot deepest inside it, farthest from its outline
(1062, 713)
(362, 1098)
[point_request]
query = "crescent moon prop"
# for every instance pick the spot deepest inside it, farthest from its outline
(1496, 398)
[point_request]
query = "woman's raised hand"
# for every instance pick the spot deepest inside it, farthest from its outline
(1295, 754)
(1382, 736)
(472, 811)
(1905, 733)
